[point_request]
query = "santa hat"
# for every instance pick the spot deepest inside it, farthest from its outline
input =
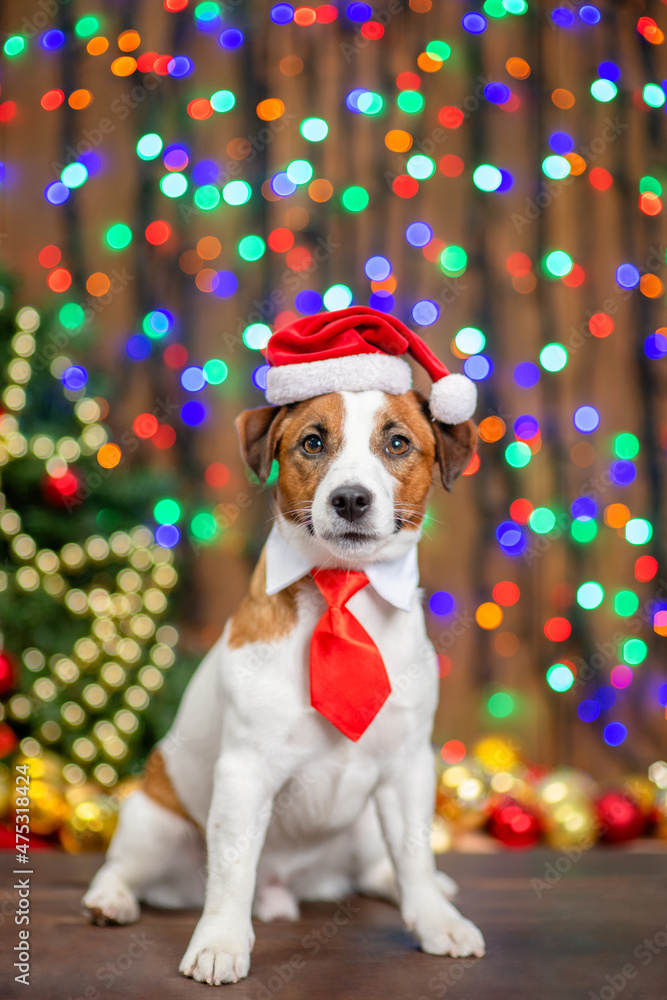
(355, 349)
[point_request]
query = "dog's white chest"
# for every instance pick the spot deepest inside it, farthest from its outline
(258, 696)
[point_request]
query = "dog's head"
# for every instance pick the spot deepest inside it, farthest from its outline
(355, 468)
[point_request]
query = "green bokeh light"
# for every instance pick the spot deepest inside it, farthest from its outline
(222, 100)
(638, 531)
(314, 129)
(654, 95)
(410, 101)
(651, 184)
(14, 46)
(439, 49)
(203, 527)
(470, 340)
(337, 297)
(420, 167)
(553, 357)
(558, 263)
(453, 260)
(370, 103)
(542, 520)
(634, 651)
(355, 199)
(167, 511)
(556, 167)
(118, 236)
(86, 26)
(626, 603)
(560, 677)
(626, 446)
(149, 146)
(299, 171)
(72, 315)
(486, 177)
(590, 595)
(207, 197)
(251, 247)
(518, 454)
(583, 531)
(215, 371)
(237, 192)
(500, 705)
(603, 90)
(174, 185)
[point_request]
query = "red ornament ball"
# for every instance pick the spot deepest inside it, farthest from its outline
(619, 817)
(514, 825)
(7, 673)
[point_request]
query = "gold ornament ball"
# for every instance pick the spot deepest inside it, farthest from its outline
(661, 813)
(47, 767)
(90, 825)
(643, 791)
(441, 835)
(462, 795)
(572, 823)
(48, 807)
(563, 784)
(495, 753)
(6, 792)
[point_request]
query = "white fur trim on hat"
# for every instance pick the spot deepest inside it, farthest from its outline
(453, 399)
(351, 373)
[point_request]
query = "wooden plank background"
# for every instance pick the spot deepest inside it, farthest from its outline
(599, 229)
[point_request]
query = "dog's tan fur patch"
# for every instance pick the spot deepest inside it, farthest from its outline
(260, 617)
(413, 472)
(156, 783)
(301, 474)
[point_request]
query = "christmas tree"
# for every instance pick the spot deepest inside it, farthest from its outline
(84, 587)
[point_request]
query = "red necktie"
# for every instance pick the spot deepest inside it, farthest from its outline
(348, 679)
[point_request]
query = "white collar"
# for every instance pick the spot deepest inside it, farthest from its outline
(396, 581)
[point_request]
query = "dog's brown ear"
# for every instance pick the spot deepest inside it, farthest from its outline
(258, 433)
(454, 447)
(454, 444)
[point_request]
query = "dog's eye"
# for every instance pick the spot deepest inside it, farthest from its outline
(398, 445)
(312, 445)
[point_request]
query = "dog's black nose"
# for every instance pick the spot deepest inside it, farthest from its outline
(351, 502)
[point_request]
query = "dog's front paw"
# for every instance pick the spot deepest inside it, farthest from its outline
(109, 901)
(445, 932)
(215, 957)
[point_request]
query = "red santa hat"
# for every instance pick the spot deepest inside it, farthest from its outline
(355, 349)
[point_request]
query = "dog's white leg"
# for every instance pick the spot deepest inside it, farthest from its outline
(243, 791)
(148, 842)
(374, 872)
(405, 804)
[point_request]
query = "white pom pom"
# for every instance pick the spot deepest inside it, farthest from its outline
(453, 399)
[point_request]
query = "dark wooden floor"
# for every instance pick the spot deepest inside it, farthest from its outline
(560, 940)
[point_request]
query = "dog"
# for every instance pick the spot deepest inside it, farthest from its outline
(287, 806)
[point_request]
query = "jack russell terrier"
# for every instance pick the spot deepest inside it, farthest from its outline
(302, 746)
